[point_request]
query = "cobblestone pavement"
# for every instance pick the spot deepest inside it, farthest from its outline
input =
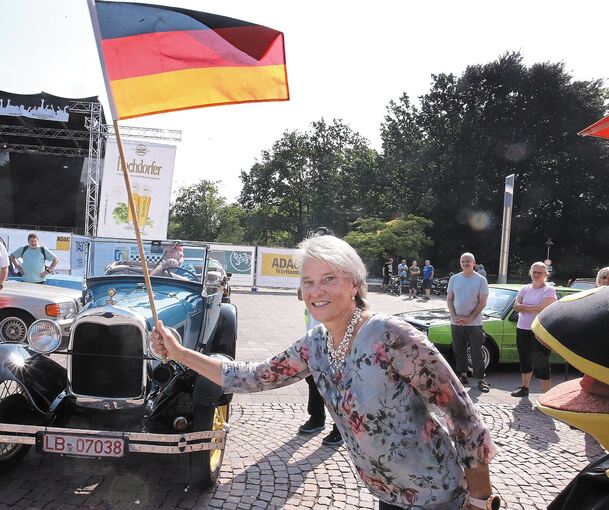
(267, 465)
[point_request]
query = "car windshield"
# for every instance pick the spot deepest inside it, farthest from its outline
(583, 284)
(498, 302)
(166, 259)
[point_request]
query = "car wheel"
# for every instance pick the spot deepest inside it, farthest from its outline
(13, 326)
(14, 408)
(487, 355)
(205, 466)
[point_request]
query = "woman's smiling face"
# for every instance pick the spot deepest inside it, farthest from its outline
(327, 293)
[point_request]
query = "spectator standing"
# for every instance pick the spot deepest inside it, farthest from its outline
(428, 272)
(315, 405)
(602, 277)
(403, 272)
(3, 264)
(387, 272)
(534, 357)
(466, 298)
(413, 275)
(480, 270)
(30, 260)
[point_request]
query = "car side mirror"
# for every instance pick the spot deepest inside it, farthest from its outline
(513, 316)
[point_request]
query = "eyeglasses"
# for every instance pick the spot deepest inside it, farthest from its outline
(538, 272)
(327, 282)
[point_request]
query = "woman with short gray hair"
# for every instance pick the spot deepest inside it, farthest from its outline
(534, 357)
(602, 277)
(412, 431)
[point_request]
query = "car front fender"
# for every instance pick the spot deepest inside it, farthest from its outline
(41, 378)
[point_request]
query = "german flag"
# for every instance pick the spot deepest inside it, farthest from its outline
(159, 59)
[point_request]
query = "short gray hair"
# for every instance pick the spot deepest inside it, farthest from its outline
(602, 272)
(340, 256)
(540, 265)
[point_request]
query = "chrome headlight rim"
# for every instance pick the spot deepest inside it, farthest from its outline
(54, 334)
(152, 353)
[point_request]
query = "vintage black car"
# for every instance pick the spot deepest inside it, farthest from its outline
(107, 394)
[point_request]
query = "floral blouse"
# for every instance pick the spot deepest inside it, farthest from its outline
(407, 422)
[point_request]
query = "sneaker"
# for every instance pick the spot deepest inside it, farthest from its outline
(463, 379)
(483, 386)
(311, 426)
(333, 438)
(520, 392)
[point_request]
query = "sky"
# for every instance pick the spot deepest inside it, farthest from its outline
(345, 60)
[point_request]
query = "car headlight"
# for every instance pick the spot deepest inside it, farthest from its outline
(155, 354)
(65, 310)
(44, 336)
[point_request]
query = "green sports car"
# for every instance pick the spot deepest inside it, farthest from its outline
(498, 320)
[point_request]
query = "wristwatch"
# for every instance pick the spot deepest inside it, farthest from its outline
(493, 502)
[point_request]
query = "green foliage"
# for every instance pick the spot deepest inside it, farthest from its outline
(374, 238)
(199, 213)
(327, 176)
(470, 132)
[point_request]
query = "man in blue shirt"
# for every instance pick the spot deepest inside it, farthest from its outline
(33, 260)
(428, 271)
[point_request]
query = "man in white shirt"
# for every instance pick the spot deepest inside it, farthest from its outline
(3, 264)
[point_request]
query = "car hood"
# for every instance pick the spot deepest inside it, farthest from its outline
(169, 304)
(427, 318)
(40, 291)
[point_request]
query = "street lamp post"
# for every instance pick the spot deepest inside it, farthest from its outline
(548, 243)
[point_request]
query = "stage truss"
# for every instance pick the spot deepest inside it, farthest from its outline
(95, 133)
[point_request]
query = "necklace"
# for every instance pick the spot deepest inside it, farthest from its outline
(336, 357)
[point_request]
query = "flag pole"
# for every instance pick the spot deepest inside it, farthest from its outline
(130, 201)
(136, 222)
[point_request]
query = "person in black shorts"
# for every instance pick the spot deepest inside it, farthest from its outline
(387, 272)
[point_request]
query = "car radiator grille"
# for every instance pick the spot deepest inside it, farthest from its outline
(107, 360)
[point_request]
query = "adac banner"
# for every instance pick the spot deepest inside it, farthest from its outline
(276, 268)
(150, 169)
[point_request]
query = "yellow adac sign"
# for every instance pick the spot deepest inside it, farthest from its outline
(63, 243)
(279, 264)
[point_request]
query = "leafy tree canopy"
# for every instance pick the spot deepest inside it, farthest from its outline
(374, 238)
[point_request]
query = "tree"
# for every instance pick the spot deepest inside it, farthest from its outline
(374, 238)
(470, 132)
(328, 176)
(196, 214)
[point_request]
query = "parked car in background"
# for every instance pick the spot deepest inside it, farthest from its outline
(116, 396)
(498, 321)
(217, 276)
(23, 303)
(582, 283)
(67, 281)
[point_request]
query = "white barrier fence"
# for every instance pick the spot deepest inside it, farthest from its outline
(251, 266)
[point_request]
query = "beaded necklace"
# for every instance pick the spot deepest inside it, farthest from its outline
(336, 357)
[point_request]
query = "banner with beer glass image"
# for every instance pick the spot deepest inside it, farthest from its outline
(150, 167)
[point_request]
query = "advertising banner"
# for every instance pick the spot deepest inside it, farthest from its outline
(237, 260)
(276, 268)
(78, 255)
(150, 168)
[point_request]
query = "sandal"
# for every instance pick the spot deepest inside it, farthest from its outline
(483, 386)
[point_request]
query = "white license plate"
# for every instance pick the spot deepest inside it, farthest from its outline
(85, 446)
